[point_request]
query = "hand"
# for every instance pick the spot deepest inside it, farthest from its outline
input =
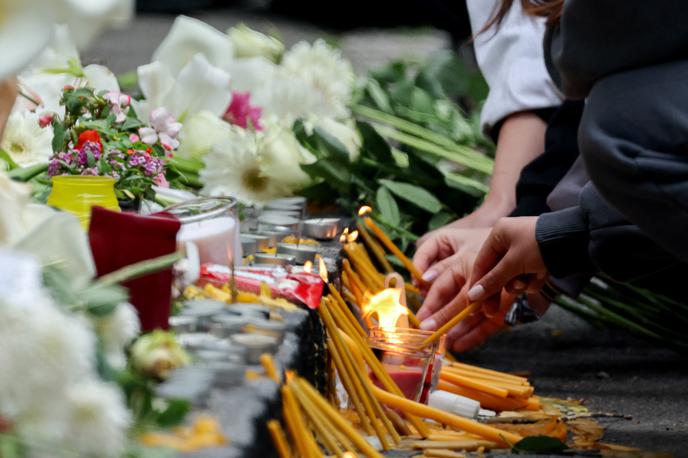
(509, 259)
(445, 248)
(478, 327)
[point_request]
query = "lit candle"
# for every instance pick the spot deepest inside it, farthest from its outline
(387, 242)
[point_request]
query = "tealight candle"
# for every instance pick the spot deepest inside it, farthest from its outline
(301, 253)
(322, 228)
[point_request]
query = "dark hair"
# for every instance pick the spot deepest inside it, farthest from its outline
(551, 9)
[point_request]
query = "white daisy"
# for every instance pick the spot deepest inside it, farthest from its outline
(25, 140)
(281, 156)
(325, 70)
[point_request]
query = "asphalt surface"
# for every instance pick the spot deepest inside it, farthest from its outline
(567, 358)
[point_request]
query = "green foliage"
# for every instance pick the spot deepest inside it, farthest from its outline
(423, 159)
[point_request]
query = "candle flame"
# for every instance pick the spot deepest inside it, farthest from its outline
(351, 238)
(322, 269)
(387, 307)
(364, 210)
(345, 233)
(308, 267)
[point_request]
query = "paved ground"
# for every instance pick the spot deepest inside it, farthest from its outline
(566, 357)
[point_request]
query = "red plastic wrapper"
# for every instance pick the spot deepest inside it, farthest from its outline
(300, 287)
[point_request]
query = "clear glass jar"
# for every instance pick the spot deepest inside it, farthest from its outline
(411, 367)
(211, 228)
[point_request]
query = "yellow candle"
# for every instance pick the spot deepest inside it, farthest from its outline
(475, 384)
(393, 249)
(279, 439)
(377, 250)
(304, 439)
(269, 366)
(338, 420)
(451, 323)
(325, 434)
(440, 416)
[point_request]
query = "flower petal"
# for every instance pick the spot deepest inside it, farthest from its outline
(101, 78)
(200, 86)
(25, 31)
(188, 37)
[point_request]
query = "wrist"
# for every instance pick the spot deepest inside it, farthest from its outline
(499, 203)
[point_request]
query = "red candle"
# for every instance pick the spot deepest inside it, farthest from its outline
(409, 379)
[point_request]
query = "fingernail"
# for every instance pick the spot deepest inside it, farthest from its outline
(429, 275)
(428, 325)
(476, 293)
(519, 285)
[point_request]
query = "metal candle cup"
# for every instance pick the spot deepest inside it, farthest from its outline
(274, 259)
(262, 241)
(301, 253)
(322, 228)
(278, 222)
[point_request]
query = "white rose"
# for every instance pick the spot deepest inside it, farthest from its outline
(251, 43)
(13, 199)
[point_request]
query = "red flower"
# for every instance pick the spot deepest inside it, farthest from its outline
(88, 136)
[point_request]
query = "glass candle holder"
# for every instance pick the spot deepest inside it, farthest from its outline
(78, 194)
(212, 226)
(410, 366)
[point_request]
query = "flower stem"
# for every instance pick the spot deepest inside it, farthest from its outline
(139, 269)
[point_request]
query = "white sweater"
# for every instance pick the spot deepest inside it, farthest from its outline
(510, 57)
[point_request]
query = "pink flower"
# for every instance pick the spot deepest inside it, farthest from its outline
(240, 112)
(45, 120)
(163, 127)
(119, 104)
(161, 181)
(134, 138)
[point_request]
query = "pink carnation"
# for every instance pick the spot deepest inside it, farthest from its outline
(240, 112)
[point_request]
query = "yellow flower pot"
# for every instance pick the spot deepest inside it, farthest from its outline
(78, 194)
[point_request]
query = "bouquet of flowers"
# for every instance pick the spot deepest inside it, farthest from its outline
(101, 135)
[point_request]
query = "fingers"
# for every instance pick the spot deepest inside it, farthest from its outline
(437, 269)
(494, 279)
(446, 313)
(426, 255)
(443, 290)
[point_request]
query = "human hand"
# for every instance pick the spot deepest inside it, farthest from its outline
(446, 248)
(509, 259)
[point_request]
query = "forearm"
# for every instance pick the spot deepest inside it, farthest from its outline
(521, 139)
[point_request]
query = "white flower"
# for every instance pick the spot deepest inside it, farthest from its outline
(233, 167)
(252, 74)
(200, 132)
(116, 331)
(189, 37)
(25, 140)
(288, 97)
(57, 66)
(158, 353)
(97, 419)
(198, 86)
(26, 25)
(345, 131)
(13, 199)
(325, 70)
(281, 158)
(251, 43)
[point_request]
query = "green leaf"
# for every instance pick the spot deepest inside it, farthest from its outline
(59, 134)
(414, 194)
(374, 143)
(131, 123)
(387, 206)
(393, 71)
(331, 145)
(379, 96)
(5, 156)
(440, 219)
(101, 300)
(173, 414)
(539, 445)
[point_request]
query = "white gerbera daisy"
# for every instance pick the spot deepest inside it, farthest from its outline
(281, 157)
(233, 167)
(25, 140)
(97, 419)
(326, 71)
